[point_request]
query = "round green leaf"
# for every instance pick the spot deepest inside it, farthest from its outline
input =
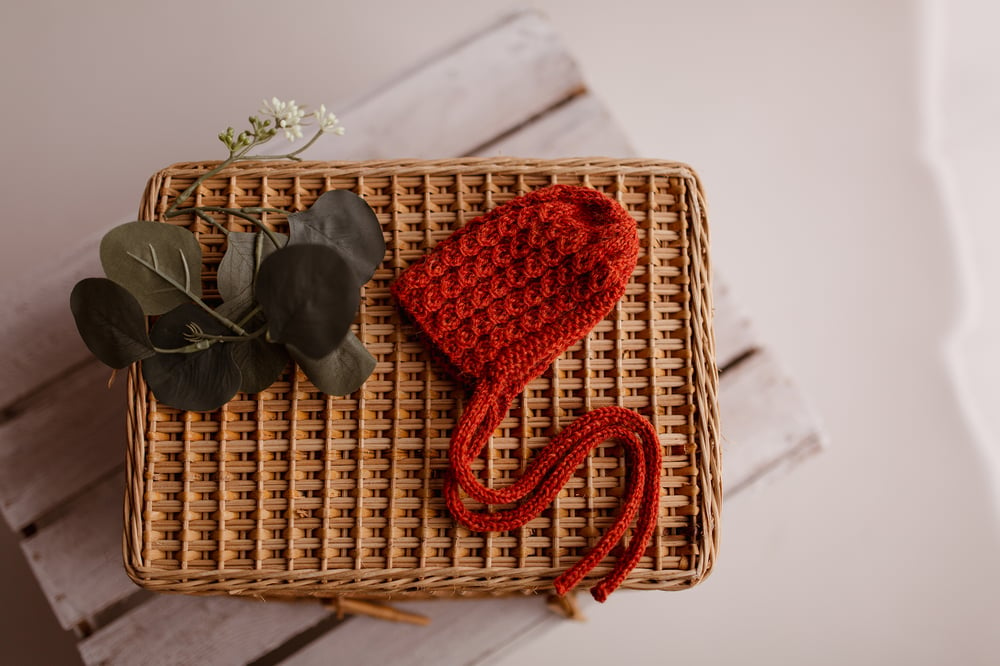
(309, 296)
(244, 253)
(110, 321)
(344, 221)
(260, 361)
(159, 263)
(196, 381)
(340, 372)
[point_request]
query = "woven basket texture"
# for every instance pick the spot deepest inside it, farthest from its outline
(294, 492)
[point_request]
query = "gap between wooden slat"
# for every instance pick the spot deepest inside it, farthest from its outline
(488, 147)
(72, 436)
(735, 361)
(300, 641)
(812, 444)
(578, 126)
(462, 632)
(756, 395)
(109, 614)
(23, 404)
(176, 629)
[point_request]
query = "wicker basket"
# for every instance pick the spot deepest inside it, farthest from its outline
(293, 492)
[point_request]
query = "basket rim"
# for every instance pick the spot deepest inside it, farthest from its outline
(326, 582)
(454, 166)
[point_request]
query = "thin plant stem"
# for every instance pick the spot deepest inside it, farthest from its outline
(292, 155)
(233, 157)
(258, 210)
(235, 212)
(250, 315)
(234, 338)
(205, 341)
(236, 328)
(207, 218)
(186, 349)
(183, 196)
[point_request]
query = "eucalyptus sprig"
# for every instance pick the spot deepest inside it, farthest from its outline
(283, 296)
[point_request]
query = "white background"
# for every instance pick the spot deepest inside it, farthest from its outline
(846, 149)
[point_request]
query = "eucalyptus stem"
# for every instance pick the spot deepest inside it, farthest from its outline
(186, 290)
(183, 196)
(235, 338)
(292, 155)
(201, 345)
(250, 315)
(258, 210)
(236, 212)
(233, 157)
(206, 340)
(207, 218)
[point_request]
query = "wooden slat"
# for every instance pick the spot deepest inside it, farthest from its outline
(478, 90)
(175, 629)
(735, 336)
(66, 437)
(461, 632)
(77, 559)
(581, 126)
(767, 426)
(37, 315)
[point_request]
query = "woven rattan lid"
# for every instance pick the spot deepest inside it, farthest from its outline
(294, 492)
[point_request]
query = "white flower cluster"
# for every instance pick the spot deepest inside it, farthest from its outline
(290, 117)
(327, 121)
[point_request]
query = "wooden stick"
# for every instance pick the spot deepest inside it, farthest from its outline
(566, 606)
(342, 606)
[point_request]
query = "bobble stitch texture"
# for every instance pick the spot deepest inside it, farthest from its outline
(497, 302)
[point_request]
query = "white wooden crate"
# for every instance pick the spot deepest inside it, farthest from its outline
(64, 493)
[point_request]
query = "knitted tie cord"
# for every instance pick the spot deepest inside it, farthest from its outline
(496, 303)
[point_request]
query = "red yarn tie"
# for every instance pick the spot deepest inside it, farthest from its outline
(497, 302)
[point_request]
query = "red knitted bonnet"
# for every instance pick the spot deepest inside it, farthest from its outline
(497, 302)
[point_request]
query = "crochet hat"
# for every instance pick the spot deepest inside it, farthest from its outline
(497, 302)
